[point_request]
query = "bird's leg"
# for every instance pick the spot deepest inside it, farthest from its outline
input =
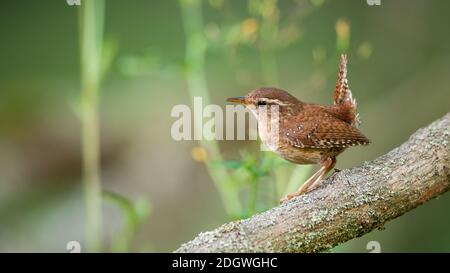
(314, 180)
(328, 165)
(304, 187)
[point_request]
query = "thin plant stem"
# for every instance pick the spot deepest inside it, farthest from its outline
(196, 46)
(91, 37)
(269, 67)
(124, 238)
(269, 37)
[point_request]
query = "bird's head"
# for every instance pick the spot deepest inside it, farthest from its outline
(266, 96)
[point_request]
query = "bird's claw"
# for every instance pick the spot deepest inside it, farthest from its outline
(286, 198)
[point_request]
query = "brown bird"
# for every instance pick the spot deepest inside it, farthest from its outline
(306, 133)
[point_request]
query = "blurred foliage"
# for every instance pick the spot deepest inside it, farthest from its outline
(166, 52)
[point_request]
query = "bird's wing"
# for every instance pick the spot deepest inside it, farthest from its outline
(322, 130)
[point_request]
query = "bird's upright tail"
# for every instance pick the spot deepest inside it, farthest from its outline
(343, 98)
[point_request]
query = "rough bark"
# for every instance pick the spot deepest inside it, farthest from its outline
(349, 204)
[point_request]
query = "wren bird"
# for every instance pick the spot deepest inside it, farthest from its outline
(308, 133)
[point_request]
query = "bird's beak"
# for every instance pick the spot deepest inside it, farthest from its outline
(240, 100)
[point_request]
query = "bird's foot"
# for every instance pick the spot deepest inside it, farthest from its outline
(286, 198)
(290, 196)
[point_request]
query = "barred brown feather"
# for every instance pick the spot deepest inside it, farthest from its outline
(304, 130)
(343, 99)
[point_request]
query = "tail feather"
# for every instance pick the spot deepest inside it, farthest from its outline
(343, 98)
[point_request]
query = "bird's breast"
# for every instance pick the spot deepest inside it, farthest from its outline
(268, 130)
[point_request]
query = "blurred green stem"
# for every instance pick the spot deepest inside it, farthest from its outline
(123, 239)
(196, 46)
(133, 212)
(269, 44)
(269, 69)
(269, 39)
(91, 37)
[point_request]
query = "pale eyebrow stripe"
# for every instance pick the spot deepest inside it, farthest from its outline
(273, 101)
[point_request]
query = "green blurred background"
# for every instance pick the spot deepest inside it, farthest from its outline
(399, 64)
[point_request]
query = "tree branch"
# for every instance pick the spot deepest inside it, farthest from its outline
(347, 205)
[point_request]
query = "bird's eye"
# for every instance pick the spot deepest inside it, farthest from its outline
(261, 102)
